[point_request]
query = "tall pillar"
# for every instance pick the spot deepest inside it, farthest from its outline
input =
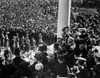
(64, 12)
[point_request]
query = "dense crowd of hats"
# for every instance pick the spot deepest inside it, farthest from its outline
(29, 14)
(24, 53)
(76, 54)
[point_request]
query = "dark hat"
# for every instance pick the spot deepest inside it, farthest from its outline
(65, 28)
(17, 51)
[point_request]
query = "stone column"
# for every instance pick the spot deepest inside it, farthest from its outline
(64, 12)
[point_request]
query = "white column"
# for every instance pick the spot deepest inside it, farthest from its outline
(64, 12)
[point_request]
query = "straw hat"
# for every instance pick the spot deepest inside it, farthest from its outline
(82, 29)
(39, 66)
(96, 51)
(81, 58)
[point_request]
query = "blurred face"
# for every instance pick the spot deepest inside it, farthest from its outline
(66, 30)
(82, 32)
(22, 37)
(59, 40)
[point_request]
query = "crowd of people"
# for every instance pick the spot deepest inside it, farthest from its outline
(26, 50)
(18, 46)
(85, 3)
(76, 54)
(29, 14)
